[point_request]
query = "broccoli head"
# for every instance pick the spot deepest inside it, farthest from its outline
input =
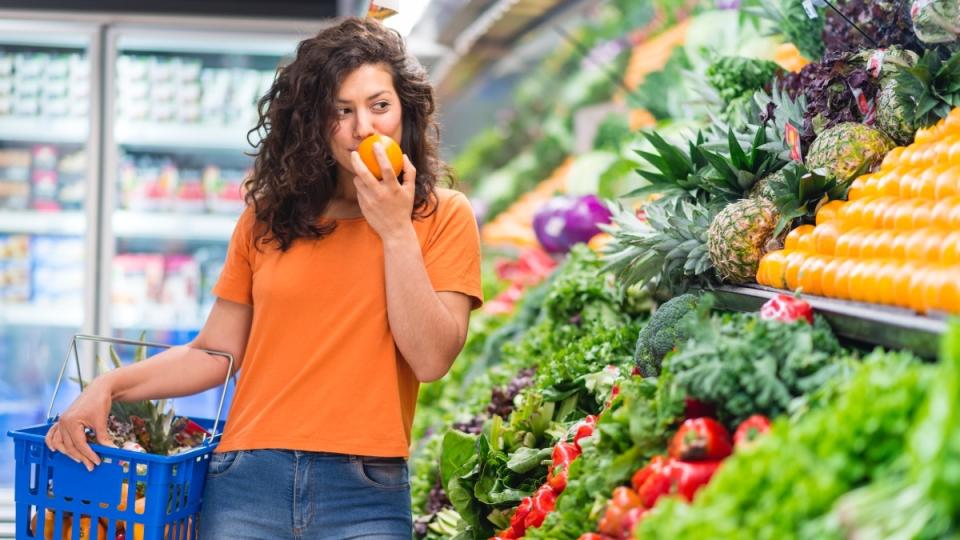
(664, 331)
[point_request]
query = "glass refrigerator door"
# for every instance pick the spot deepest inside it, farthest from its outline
(181, 105)
(48, 194)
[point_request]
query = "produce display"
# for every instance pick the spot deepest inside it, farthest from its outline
(801, 149)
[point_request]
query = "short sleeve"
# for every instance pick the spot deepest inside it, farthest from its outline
(236, 278)
(452, 252)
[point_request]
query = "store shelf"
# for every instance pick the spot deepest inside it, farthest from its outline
(29, 222)
(172, 226)
(182, 136)
(870, 324)
(43, 130)
(40, 315)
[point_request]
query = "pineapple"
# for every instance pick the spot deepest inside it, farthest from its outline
(739, 236)
(763, 188)
(152, 425)
(781, 109)
(846, 149)
(917, 94)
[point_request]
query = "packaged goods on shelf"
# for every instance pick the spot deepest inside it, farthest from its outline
(41, 84)
(14, 268)
(158, 183)
(165, 290)
(42, 177)
(183, 90)
(41, 270)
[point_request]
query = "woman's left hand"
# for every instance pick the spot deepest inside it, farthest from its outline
(386, 204)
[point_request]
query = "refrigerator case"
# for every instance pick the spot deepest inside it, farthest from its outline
(179, 106)
(49, 80)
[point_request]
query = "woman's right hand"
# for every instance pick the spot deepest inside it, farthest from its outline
(89, 410)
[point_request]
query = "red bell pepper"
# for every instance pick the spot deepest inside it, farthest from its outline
(593, 536)
(564, 453)
(631, 519)
(557, 479)
(611, 523)
(544, 501)
(520, 516)
(786, 308)
(700, 439)
(584, 428)
(506, 534)
(625, 498)
(750, 430)
(652, 481)
(688, 478)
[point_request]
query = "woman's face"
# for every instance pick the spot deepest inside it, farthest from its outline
(366, 103)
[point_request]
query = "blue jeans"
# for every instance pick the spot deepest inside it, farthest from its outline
(283, 494)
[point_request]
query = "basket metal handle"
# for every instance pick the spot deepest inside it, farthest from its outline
(119, 341)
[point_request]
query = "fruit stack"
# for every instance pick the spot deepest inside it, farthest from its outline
(896, 241)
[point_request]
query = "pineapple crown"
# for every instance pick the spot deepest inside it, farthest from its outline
(714, 172)
(778, 110)
(798, 193)
(668, 251)
(930, 88)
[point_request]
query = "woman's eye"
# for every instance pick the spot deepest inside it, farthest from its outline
(381, 106)
(343, 112)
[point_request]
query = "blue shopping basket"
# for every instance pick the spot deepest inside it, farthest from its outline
(57, 498)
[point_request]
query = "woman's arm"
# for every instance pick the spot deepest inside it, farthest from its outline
(175, 372)
(429, 327)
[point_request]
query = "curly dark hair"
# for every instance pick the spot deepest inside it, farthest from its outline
(294, 174)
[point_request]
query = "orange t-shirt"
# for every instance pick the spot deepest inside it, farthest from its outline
(321, 371)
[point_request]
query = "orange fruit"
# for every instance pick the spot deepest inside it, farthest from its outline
(883, 248)
(829, 276)
(954, 222)
(793, 237)
(772, 267)
(901, 284)
(947, 183)
(829, 212)
(923, 213)
(932, 287)
(856, 284)
(916, 298)
(850, 213)
(825, 238)
(791, 273)
(886, 272)
(841, 281)
(924, 186)
(806, 244)
(394, 154)
(949, 294)
(855, 243)
(899, 246)
(892, 157)
(873, 212)
(940, 215)
(871, 281)
(950, 249)
(953, 154)
(857, 188)
(868, 246)
(903, 215)
(889, 184)
(811, 274)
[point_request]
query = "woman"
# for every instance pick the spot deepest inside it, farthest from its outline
(339, 295)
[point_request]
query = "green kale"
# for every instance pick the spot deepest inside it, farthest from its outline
(664, 332)
(735, 77)
(780, 487)
(744, 365)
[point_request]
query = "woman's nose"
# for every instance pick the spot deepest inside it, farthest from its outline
(364, 126)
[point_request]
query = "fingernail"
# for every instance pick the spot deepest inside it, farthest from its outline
(89, 468)
(377, 147)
